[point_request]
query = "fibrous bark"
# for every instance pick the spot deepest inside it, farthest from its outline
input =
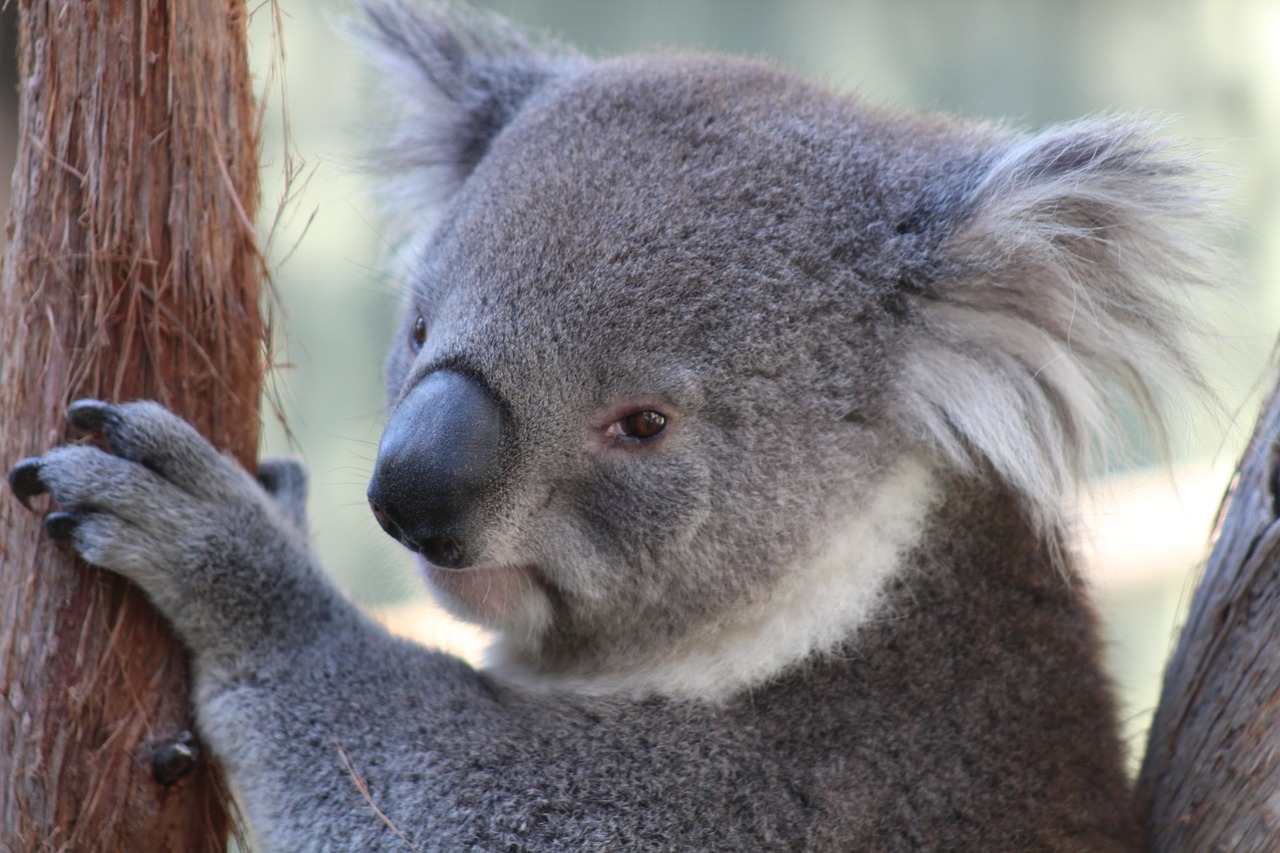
(132, 272)
(1211, 777)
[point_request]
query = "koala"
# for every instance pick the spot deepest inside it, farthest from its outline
(746, 415)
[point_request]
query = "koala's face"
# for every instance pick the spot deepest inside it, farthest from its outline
(650, 369)
(673, 323)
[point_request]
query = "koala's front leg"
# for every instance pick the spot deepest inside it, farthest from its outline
(224, 561)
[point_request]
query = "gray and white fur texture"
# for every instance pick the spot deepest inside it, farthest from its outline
(747, 415)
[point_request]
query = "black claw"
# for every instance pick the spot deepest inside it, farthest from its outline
(24, 479)
(174, 758)
(61, 526)
(88, 415)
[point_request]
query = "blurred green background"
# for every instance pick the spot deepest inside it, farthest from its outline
(1213, 66)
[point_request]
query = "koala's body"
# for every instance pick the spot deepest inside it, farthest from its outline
(744, 414)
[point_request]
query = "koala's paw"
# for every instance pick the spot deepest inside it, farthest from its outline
(163, 507)
(285, 480)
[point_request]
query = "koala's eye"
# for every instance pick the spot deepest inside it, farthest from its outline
(419, 334)
(642, 425)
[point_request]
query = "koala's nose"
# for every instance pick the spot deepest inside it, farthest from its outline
(440, 455)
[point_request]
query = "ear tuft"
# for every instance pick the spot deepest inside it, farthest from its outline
(1058, 300)
(456, 77)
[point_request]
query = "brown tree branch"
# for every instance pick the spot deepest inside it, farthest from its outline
(1211, 777)
(132, 272)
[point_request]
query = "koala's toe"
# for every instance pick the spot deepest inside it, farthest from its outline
(24, 480)
(151, 435)
(89, 415)
(285, 480)
(61, 526)
(116, 544)
(83, 479)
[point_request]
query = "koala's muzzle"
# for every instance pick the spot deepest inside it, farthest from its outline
(440, 455)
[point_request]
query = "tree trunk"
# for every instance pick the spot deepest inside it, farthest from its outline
(1211, 777)
(132, 272)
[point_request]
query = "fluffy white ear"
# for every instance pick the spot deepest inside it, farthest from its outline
(455, 77)
(1059, 292)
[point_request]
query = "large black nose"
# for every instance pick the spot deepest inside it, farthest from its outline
(440, 456)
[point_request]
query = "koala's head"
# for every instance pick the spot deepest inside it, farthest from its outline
(673, 323)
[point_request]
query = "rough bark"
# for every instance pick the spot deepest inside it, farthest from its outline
(1211, 777)
(132, 272)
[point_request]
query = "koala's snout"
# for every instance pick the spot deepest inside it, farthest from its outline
(439, 456)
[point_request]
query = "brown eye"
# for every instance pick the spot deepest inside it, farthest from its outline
(643, 425)
(419, 332)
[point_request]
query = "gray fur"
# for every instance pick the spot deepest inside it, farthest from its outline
(830, 607)
(285, 480)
